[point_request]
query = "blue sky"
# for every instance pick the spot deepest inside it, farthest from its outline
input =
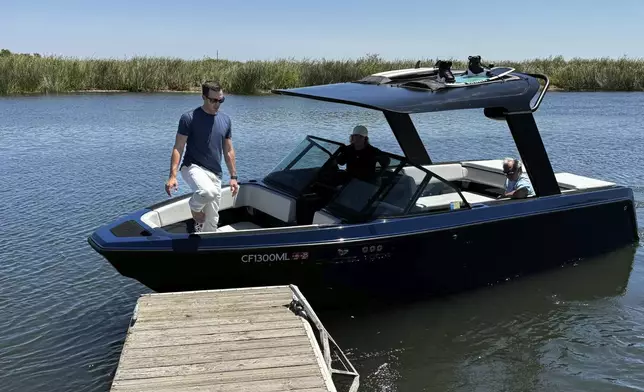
(252, 29)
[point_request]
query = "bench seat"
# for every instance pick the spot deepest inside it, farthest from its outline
(449, 171)
(442, 201)
(574, 181)
(257, 197)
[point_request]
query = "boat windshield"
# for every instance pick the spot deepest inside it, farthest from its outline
(301, 166)
(400, 189)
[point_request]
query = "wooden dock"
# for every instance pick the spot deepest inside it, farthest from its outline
(262, 339)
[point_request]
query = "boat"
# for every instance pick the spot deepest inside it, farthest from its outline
(423, 227)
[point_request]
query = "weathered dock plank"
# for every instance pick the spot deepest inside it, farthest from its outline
(221, 340)
(148, 352)
(201, 356)
(303, 384)
(177, 383)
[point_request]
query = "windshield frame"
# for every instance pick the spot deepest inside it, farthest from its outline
(312, 143)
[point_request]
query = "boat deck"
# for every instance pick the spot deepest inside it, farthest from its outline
(247, 339)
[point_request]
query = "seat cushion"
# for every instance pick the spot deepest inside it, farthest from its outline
(151, 219)
(322, 217)
(268, 201)
(448, 171)
(442, 201)
(573, 181)
(238, 226)
(494, 165)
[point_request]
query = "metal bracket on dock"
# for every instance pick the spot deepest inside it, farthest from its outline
(301, 307)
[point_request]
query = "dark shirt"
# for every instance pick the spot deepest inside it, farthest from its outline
(361, 164)
(206, 134)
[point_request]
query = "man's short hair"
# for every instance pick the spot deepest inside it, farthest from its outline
(210, 85)
(516, 164)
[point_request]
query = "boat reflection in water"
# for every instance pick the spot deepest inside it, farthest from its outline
(573, 328)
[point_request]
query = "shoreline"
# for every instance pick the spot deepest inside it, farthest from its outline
(31, 75)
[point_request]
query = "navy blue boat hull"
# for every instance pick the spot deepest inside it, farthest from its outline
(421, 256)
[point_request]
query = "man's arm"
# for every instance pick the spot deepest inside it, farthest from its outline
(175, 158)
(384, 161)
(229, 156)
(341, 158)
(382, 158)
(183, 131)
(522, 189)
(179, 145)
(518, 193)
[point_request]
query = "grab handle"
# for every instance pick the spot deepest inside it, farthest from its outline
(543, 92)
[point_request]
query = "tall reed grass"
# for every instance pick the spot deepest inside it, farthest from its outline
(35, 74)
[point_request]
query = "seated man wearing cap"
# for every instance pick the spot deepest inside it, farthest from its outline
(517, 183)
(361, 157)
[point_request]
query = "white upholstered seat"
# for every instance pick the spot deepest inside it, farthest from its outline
(238, 226)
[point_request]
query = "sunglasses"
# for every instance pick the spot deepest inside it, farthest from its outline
(509, 172)
(215, 100)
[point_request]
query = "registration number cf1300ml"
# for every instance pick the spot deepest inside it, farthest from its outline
(270, 257)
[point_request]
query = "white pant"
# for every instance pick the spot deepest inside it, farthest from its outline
(207, 193)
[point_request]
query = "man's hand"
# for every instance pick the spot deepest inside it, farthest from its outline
(234, 187)
(171, 185)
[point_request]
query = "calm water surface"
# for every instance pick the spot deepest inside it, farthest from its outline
(75, 162)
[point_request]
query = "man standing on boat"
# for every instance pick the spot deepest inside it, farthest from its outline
(207, 133)
(517, 183)
(361, 157)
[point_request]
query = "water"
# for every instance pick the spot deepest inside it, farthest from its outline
(75, 162)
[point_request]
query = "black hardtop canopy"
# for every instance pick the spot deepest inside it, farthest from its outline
(512, 93)
(507, 98)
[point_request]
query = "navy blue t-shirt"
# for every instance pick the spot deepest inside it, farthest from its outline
(206, 134)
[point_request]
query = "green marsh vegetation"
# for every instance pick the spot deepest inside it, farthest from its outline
(33, 73)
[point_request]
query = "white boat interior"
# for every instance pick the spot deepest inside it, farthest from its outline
(480, 182)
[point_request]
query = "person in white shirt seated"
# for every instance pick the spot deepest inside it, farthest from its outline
(517, 183)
